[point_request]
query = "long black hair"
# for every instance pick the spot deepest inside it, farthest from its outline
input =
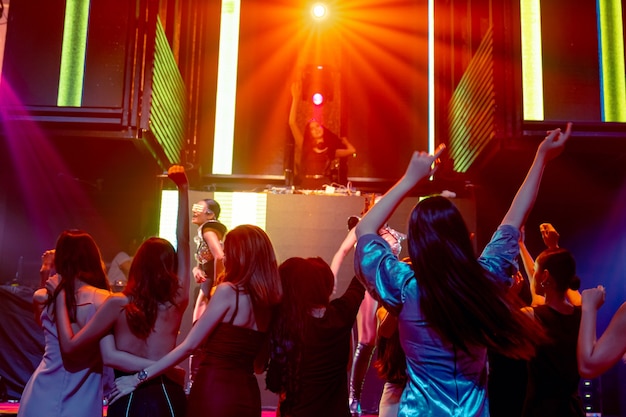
(462, 301)
(307, 284)
(77, 257)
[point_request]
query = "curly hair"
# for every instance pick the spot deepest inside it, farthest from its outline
(152, 281)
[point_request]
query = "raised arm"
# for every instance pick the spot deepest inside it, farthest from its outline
(420, 167)
(548, 149)
(344, 249)
(529, 267)
(596, 357)
(177, 174)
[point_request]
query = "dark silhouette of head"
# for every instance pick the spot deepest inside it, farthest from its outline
(561, 266)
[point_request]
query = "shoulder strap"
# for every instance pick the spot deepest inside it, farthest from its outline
(232, 318)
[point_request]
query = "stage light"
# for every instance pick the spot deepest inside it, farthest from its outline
(319, 10)
(318, 99)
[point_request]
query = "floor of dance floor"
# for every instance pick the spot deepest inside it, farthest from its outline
(10, 409)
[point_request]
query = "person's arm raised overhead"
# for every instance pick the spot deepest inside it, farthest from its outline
(597, 356)
(177, 174)
(548, 149)
(420, 167)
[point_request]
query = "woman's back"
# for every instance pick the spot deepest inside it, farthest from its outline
(225, 384)
(160, 341)
(66, 389)
(443, 379)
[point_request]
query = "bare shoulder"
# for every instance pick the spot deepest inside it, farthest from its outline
(226, 290)
(225, 295)
(40, 296)
(116, 299)
(104, 297)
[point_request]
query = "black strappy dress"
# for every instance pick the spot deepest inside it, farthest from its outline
(225, 384)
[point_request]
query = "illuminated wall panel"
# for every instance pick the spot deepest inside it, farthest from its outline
(576, 74)
(611, 29)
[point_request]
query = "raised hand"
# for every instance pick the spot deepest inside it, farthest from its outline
(554, 143)
(296, 89)
(177, 174)
(421, 164)
(593, 297)
(549, 235)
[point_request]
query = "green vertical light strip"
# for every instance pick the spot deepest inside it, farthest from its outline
(613, 74)
(73, 51)
(532, 59)
(223, 142)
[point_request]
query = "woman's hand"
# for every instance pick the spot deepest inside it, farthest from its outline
(52, 283)
(124, 385)
(199, 275)
(554, 143)
(296, 89)
(421, 164)
(177, 174)
(549, 235)
(593, 297)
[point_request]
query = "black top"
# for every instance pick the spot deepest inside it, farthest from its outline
(324, 363)
(553, 377)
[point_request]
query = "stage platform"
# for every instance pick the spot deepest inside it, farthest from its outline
(10, 410)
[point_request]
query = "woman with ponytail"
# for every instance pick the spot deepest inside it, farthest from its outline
(553, 377)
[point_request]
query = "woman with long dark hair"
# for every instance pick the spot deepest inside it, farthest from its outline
(62, 385)
(319, 154)
(451, 307)
(310, 340)
(232, 332)
(144, 318)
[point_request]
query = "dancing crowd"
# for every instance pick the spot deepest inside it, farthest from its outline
(445, 322)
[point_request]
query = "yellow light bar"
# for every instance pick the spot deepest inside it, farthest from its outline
(613, 75)
(532, 59)
(223, 142)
